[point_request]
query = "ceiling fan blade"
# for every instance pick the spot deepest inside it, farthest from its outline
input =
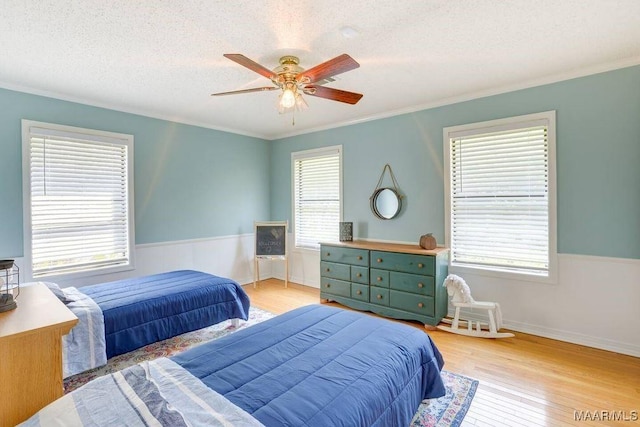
(252, 65)
(337, 65)
(255, 89)
(333, 94)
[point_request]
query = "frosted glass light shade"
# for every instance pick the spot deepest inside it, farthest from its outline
(288, 98)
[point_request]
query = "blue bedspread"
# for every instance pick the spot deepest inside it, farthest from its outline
(147, 309)
(155, 393)
(322, 366)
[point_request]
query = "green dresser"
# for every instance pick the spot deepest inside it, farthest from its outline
(392, 280)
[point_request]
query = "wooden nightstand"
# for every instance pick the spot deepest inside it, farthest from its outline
(31, 353)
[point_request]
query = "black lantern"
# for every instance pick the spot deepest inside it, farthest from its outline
(9, 284)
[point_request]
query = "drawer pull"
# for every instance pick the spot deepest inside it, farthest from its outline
(420, 265)
(359, 292)
(359, 257)
(379, 296)
(328, 285)
(328, 253)
(379, 279)
(420, 285)
(420, 305)
(328, 269)
(379, 260)
(359, 275)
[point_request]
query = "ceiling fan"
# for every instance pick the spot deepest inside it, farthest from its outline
(294, 80)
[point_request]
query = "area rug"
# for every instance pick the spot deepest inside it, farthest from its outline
(446, 411)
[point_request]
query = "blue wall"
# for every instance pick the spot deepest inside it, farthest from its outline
(190, 182)
(598, 162)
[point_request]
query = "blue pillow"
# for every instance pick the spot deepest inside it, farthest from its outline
(53, 287)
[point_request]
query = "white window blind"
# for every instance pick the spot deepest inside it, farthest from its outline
(499, 197)
(79, 201)
(317, 190)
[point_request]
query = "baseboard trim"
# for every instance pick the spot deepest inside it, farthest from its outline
(247, 281)
(558, 334)
(575, 338)
(296, 279)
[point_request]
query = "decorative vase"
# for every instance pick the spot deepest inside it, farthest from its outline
(427, 241)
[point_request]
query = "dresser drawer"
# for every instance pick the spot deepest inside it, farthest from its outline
(335, 287)
(360, 274)
(335, 271)
(411, 302)
(379, 296)
(424, 285)
(379, 277)
(360, 292)
(408, 263)
(345, 255)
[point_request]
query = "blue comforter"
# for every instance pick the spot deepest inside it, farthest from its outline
(322, 366)
(147, 309)
(155, 393)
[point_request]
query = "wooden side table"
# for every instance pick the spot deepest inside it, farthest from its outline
(31, 353)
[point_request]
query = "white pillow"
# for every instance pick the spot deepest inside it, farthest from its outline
(53, 287)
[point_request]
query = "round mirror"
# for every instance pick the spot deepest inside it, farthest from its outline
(386, 203)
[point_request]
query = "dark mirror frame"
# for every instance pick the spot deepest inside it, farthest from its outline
(374, 203)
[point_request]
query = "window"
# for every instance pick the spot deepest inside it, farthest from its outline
(500, 198)
(78, 192)
(317, 194)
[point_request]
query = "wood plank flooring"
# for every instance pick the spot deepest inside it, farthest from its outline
(524, 381)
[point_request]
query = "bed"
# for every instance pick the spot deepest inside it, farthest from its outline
(118, 317)
(313, 366)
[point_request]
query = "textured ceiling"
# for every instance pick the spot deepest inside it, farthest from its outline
(164, 58)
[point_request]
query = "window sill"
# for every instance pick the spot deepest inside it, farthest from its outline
(68, 277)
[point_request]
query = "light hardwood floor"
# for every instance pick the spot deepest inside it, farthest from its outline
(524, 381)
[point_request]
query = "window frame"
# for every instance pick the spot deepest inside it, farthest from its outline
(99, 136)
(306, 154)
(488, 127)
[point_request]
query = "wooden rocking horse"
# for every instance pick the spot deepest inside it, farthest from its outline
(458, 289)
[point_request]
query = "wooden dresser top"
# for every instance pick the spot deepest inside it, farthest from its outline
(388, 247)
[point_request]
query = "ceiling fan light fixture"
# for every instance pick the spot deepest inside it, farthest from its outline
(293, 80)
(288, 98)
(301, 104)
